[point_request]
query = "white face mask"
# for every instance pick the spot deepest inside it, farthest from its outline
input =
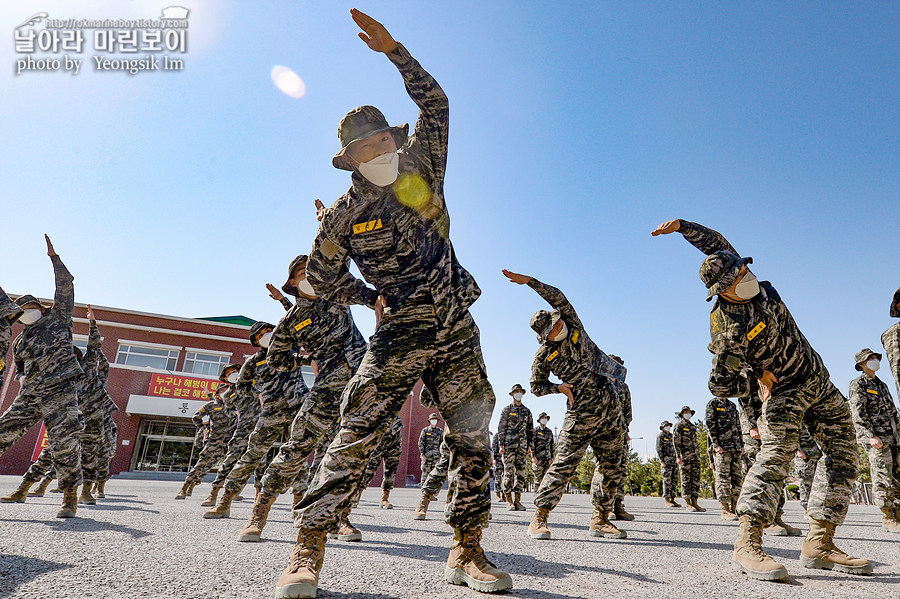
(381, 170)
(306, 288)
(518, 396)
(748, 288)
(232, 378)
(544, 421)
(266, 339)
(666, 429)
(30, 316)
(562, 334)
(874, 364)
(433, 422)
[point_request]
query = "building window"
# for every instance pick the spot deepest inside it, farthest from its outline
(208, 364)
(81, 343)
(144, 357)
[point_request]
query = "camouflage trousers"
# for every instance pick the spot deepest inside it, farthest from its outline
(438, 475)
(819, 404)
(669, 479)
(806, 471)
(884, 466)
(498, 474)
(751, 449)
(273, 423)
(690, 477)
(729, 475)
(57, 406)
(623, 466)
(212, 453)
(410, 344)
(427, 464)
(110, 443)
(602, 430)
(540, 469)
(312, 425)
(389, 453)
(308, 471)
(92, 452)
(514, 459)
(237, 445)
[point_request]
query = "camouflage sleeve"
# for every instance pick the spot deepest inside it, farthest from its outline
(626, 405)
(712, 423)
(422, 442)
(557, 299)
(246, 375)
(286, 303)
(552, 445)
(529, 430)
(197, 418)
(659, 448)
(859, 410)
(540, 377)
(677, 441)
(92, 355)
(280, 354)
(728, 377)
(328, 266)
(501, 427)
(890, 339)
(102, 367)
(64, 298)
(17, 358)
(704, 239)
(431, 131)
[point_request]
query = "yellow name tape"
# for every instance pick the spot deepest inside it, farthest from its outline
(303, 324)
(756, 331)
(372, 225)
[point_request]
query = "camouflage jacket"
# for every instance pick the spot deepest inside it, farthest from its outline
(576, 359)
(430, 441)
(890, 339)
(665, 448)
(393, 436)
(808, 444)
(324, 329)
(266, 383)
(221, 419)
(8, 308)
(495, 447)
(748, 422)
(43, 351)
(543, 445)
(516, 428)
(624, 395)
(93, 399)
(398, 236)
(746, 339)
(685, 440)
(874, 412)
(723, 424)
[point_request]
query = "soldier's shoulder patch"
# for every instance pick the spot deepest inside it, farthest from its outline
(552, 356)
(329, 248)
(302, 325)
(367, 226)
(759, 328)
(575, 335)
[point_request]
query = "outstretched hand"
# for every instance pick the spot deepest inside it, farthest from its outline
(320, 210)
(90, 313)
(373, 32)
(274, 293)
(50, 251)
(670, 226)
(516, 277)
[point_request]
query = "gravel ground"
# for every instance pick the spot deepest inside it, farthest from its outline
(139, 542)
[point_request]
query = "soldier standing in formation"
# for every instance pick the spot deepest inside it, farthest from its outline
(878, 431)
(247, 409)
(543, 448)
(724, 426)
(388, 452)
(687, 456)
(665, 451)
(805, 463)
(757, 345)
(221, 418)
(515, 433)
(594, 417)
(624, 395)
(433, 482)
(430, 439)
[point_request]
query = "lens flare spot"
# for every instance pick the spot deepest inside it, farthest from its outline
(288, 82)
(412, 191)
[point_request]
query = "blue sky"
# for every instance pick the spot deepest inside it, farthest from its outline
(576, 128)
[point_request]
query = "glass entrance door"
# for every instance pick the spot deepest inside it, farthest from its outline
(165, 445)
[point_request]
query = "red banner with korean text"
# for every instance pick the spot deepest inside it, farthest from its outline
(41, 443)
(180, 387)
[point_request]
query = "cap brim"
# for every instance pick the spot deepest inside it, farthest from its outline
(401, 134)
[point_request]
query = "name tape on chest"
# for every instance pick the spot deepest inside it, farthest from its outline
(756, 331)
(302, 325)
(552, 356)
(720, 409)
(372, 225)
(262, 363)
(512, 414)
(872, 391)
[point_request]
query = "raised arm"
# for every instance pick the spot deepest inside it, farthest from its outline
(703, 238)
(64, 298)
(551, 295)
(93, 353)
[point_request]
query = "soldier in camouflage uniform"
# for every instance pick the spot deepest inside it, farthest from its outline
(110, 433)
(430, 439)
(45, 357)
(594, 416)
(304, 477)
(222, 420)
(757, 345)
(724, 427)
(247, 408)
(393, 223)
(624, 395)
(543, 448)
(665, 451)
(890, 339)
(878, 431)
(433, 481)
(687, 456)
(515, 431)
(9, 313)
(388, 451)
(498, 467)
(805, 462)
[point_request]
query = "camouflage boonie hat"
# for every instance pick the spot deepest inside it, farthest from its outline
(295, 264)
(543, 415)
(719, 271)
(255, 330)
(517, 387)
(863, 355)
(617, 359)
(683, 410)
(433, 416)
(224, 377)
(664, 424)
(360, 123)
(542, 323)
(10, 310)
(24, 300)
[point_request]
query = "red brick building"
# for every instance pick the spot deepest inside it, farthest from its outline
(160, 367)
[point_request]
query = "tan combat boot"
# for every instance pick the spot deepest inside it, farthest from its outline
(689, 505)
(727, 511)
(780, 528)
(670, 502)
(346, 531)
(517, 502)
(510, 502)
(468, 565)
(86, 498)
(41, 488)
(100, 489)
(749, 557)
(19, 495)
(602, 527)
(696, 505)
(185, 491)
(538, 528)
(819, 551)
(888, 520)
(223, 507)
(422, 509)
(301, 577)
(69, 504)
(619, 512)
(385, 500)
(499, 495)
(258, 517)
(213, 496)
